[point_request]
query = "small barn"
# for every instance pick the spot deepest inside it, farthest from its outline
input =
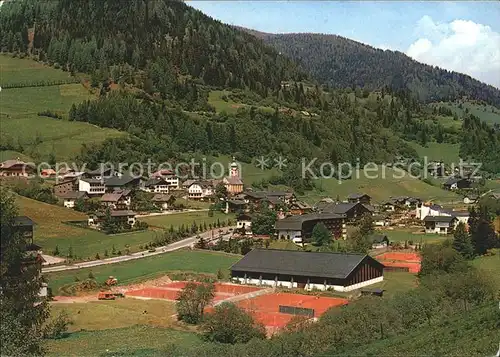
(307, 270)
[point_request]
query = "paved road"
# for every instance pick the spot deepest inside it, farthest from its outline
(188, 242)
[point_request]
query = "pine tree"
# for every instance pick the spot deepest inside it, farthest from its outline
(321, 235)
(462, 242)
(22, 312)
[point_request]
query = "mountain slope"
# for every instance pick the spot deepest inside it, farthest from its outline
(94, 35)
(341, 62)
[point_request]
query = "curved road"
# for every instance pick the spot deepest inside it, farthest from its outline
(187, 242)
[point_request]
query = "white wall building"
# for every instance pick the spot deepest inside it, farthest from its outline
(93, 187)
(307, 270)
(200, 190)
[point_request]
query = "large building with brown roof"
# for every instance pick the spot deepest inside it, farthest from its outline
(307, 270)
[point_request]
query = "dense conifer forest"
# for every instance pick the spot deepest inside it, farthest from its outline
(167, 57)
(341, 62)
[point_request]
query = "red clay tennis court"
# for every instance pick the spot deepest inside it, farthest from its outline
(266, 308)
(400, 256)
(171, 291)
(411, 261)
(412, 267)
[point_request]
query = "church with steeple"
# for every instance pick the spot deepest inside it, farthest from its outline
(233, 182)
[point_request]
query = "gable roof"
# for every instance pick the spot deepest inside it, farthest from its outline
(294, 223)
(163, 173)
(117, 213)
(73, 195)
(444, 219)
(7, 164)
(188, 183)
(244, 217)
(355, 196)
(111, 197)
(339, 208)
(161, 197)
(256, 194)
(237, 202)
(23, 221)
(155, 182)
(300, 205)
(231, 180)
(311, 264)
(117, 181)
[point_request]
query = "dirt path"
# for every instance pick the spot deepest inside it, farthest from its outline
(115, 289)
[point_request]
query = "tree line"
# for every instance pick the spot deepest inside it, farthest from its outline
(341, 63)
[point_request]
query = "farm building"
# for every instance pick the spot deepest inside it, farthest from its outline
(352, 211)
(307, 270)
(299, 228)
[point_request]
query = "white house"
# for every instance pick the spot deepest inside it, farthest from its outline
(424, 210)
(93, 187)
(70, 198)
(440, 224)
(200, 190)
(156, 185)
(244, 221)
(169, 177)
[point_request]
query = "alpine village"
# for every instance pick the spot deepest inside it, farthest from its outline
(172, 185)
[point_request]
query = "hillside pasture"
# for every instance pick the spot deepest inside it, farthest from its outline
(40, 136)
(24, 71)
(380, 186)
(138, 340)
(215, 98)
(185, 219)
(487, 113)
(250, 173)
(433, 151)
(50, 231)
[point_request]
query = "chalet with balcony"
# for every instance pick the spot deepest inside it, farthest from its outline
(16, 168)
(440, 224)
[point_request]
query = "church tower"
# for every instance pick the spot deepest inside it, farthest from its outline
(235, 172)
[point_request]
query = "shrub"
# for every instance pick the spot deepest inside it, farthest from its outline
(58, 328)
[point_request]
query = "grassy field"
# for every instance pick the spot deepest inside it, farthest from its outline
(491, 265)
(186, 219)
(150, 268)
(395, 283)
(380, 188)
(448, 153)
(229, 106)
(486, 113)
(401, 235)
(136, 340)
(17, 70)
(12, 155)
(249, 172)
(49, 218)
(41, 136)
(50, 231)
(103, 315)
